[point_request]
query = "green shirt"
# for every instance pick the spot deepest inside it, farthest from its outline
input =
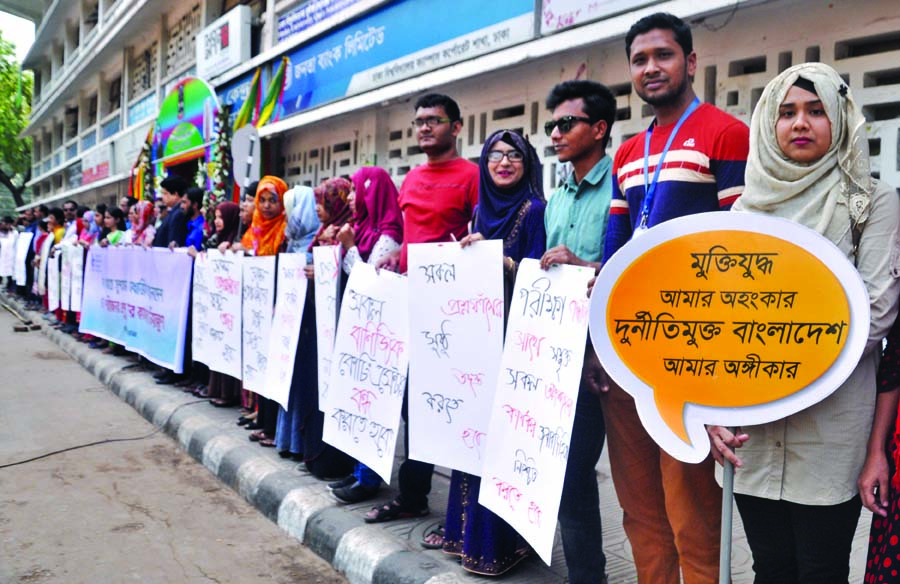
(577, 213)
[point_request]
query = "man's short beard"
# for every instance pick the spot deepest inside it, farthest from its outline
(667, 98)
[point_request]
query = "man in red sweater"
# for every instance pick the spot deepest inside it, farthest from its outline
(438, 200)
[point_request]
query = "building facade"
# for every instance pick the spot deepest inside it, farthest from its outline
(355, 67)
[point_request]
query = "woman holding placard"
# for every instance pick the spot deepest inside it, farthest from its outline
(510, 207)
(375, 232)
(796, 487)
(265, 237)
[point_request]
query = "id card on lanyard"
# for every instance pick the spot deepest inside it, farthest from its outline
(650, 185)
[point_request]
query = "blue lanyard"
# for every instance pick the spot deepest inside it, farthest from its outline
(650, 187)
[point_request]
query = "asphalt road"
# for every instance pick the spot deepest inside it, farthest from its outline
(136, 511)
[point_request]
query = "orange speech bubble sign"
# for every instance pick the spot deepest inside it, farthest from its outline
(726, 318)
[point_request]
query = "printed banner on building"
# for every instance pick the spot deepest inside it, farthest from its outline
(139, 298)
(290, 300)
(534, 408)
(368, 374)
(259, 302)
(456, 340)
(378, 49)
(327, 261)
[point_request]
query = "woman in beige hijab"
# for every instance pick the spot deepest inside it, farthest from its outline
(796, 484)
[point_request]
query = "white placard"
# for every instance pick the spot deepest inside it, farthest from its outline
(23, 244)
(259, 301)
(327, 261)
(456, 340)
(368, 376)
(289, 302)
(42, 272)
(224, 280)
(533, 411)
(8, 254)
(77, 278)
(53, 282)
(65, 276)
(200, 311)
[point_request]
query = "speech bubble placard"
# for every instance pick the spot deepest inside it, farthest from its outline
(726, 318)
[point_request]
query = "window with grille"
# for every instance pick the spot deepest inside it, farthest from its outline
(142, 71)
(180, 41)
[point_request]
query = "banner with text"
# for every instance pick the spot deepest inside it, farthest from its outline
(224, 283)
(533, 410)
(371, 360)
(456, 303)
(139, 298)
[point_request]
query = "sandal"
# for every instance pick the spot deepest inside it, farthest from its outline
(433, 534)
(257, 435)
(267, 442)
(393, 510)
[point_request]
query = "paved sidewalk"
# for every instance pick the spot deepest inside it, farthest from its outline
(301, 505)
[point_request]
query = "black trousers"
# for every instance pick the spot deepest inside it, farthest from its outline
(799, 544)
(414, 477)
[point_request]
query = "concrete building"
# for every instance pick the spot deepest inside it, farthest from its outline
(103, 67)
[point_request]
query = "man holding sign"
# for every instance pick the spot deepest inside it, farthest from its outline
(690, 160)
(583, 114)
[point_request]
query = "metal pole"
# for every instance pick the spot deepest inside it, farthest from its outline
(727, 505)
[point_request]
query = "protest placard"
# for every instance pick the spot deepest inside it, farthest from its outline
(8, 254)
(327, 262)
(53, 281)
(224, 281)
(201, 345)
(727, 318)
(368, 374)
(456, 305)
(23, 245)
(76, 289)
(534, 407)
(258, 304)
(290, 300)
(42, 266)
(65, 276)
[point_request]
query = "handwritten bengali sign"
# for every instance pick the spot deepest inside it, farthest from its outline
(290, 299)
(76, 288)
(224, 280)
(53, 281)
(23, 245)
(8, 254)
(201, 343)
(42, 266)
(65, 276)
(534, 407)
(369, 368)
(258, 304)
(139, 298)
(727, 318)
(327, 262)
(456, 340)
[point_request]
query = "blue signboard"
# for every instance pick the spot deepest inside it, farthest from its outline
(301, 18)
(399, 41)
(235, 93)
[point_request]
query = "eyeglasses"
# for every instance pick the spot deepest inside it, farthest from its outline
(511, 155)
(431, 122)
(564, 124)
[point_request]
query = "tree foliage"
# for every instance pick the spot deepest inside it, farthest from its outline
(15, 109)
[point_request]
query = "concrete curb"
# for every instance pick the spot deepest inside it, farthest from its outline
(300, 504)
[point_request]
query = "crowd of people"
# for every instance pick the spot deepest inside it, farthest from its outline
(801, 481)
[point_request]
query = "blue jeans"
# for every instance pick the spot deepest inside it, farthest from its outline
(579, 509)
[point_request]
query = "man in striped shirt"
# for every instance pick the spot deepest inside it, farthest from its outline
(690, 160)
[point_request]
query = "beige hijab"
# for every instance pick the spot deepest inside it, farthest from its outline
(810, 193)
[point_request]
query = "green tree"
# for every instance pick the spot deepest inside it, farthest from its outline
(15, 108)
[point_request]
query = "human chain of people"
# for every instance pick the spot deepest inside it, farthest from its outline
(742, 289)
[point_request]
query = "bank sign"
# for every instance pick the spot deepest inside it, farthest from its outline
(400, 41)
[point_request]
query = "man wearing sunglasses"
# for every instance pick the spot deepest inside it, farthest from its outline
(438, 200)
(690, 160)
(575, 220)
